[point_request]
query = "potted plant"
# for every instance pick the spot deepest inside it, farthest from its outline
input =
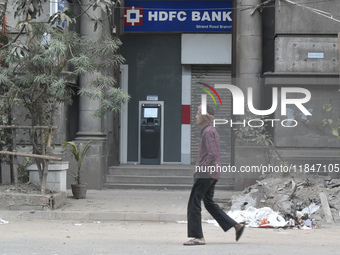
(79, 152)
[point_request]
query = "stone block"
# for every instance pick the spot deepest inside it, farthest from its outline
(56, 177)
(293, 19)
(292, 54)
(31, 202)
(326, 208)
(5, 174)
(59, 200)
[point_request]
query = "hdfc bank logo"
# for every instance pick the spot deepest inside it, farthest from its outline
(133, 16)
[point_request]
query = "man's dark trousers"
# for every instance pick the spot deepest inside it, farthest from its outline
(203, 189)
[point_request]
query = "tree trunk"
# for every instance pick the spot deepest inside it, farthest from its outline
(3, 7)
(44, 177)
(47, 148)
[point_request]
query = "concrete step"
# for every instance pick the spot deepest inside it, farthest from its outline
(160, 170)
(157, 177)
(146, 179)
(160, 186)
(143, 179)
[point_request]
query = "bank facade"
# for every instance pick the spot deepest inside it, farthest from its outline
(178, 52)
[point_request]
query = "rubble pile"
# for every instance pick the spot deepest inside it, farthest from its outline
(300, 200)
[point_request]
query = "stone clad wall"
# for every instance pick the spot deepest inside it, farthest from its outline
(306, 55)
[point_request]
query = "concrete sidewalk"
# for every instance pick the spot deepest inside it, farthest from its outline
(123, 205)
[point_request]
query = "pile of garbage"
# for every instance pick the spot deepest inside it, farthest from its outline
(302, 201)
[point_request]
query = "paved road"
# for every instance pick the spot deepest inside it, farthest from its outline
(59, 237)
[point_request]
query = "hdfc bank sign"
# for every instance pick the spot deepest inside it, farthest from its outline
(178, 16)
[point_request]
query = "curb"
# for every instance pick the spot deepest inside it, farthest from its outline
(92, 216)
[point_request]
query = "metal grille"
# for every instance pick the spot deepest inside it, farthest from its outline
(211, 75)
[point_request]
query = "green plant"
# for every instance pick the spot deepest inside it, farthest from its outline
(79, 153)
(332, 124)
(23, 173)
(258, 134)
(6, 119)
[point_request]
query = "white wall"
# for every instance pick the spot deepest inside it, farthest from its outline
(206, 49)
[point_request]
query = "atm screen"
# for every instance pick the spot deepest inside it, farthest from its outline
(150, 112)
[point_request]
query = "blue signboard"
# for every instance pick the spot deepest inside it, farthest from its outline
(61, 6)
(178, 16)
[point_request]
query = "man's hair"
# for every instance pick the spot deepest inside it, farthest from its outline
(210, 110)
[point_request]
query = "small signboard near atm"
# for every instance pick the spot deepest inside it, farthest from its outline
(152, 97)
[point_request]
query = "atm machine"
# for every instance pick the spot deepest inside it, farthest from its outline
(151, 135)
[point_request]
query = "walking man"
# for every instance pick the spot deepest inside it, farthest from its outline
(204, 182)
